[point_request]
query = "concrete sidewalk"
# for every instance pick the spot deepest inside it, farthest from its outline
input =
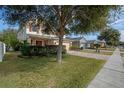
(111, 75)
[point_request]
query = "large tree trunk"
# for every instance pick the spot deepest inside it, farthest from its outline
(60, 34)
(59, 50)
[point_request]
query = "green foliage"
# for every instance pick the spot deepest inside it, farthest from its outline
(28, 50)
(9, 37)
(97, 45)
(16, 45)
(1, 39)
(111, 36)
(25, 49)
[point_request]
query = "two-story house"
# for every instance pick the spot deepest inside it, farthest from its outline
(35, 35)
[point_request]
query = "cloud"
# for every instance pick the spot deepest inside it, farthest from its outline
(122, 35)
(118, 21)
(3, 26)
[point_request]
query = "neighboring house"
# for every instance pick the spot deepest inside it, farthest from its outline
(121, 44)
(35, 35)
(91, 43)
(80, 42)
(102, 43)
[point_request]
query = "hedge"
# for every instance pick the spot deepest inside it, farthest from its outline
(28, 50)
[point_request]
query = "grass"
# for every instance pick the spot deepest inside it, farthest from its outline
(45, 72)
(122, 54)
(122, 50)
(94, 51)
(109, 49)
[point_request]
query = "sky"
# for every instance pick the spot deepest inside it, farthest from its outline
(118, 24)
(3, 25)
(120, 27)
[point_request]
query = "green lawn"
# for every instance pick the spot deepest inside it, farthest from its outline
(109, 49)
(45, 72)
(122, 50)
(94, 52)
(122, 54)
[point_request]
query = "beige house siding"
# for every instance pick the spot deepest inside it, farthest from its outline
(76, 44)
(103, 45)
(67, 44)
(33, 41)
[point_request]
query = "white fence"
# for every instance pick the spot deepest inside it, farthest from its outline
(2, 50)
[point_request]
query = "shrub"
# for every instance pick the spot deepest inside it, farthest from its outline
(25, 50)
(28, 50)
(97, 45)
(16, 45)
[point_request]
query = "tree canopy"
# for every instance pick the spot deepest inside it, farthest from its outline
(111, 36)
(9, 37)
(79, 19)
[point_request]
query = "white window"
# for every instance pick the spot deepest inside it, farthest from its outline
(34, 28)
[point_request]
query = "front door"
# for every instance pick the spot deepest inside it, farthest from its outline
(39, 43)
